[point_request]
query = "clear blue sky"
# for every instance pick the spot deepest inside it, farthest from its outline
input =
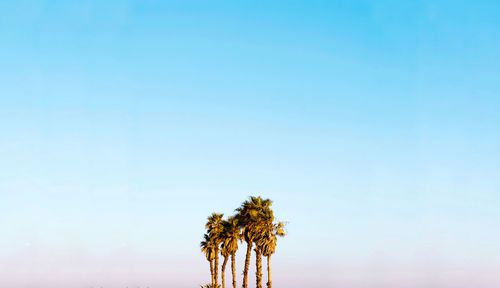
(373, 125)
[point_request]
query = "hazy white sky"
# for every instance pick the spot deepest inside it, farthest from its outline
(373, 126)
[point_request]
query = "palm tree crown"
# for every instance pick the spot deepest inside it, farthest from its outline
(250, 216)
(214, 225)
(207, 247)
(231, 234)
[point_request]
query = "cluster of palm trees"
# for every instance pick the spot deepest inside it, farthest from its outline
(253, 223)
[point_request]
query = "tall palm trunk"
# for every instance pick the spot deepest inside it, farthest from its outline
(212, 271)
(269, 282)
(224, 271)
(233, 268)
(258, 272)
(247, 263)
(216, 273)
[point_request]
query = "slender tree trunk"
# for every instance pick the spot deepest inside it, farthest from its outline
(224, 271)
(247, 263)
(212, 271)
(216, 273)
(258, 264)
(269, 282)
(233, 268)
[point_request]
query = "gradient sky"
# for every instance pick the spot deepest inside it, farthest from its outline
(373, 125)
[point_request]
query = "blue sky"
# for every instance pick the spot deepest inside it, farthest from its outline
(373, 125)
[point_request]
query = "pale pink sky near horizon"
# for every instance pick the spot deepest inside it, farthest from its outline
(38, 267)
(120, 270)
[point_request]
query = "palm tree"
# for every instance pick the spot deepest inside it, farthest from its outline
(225, 252)
(231, 237)
(214, 228)
(258, 266)
(245, 221)
(207, 247)
(264, 213)
(249, 216)
(268, 243)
